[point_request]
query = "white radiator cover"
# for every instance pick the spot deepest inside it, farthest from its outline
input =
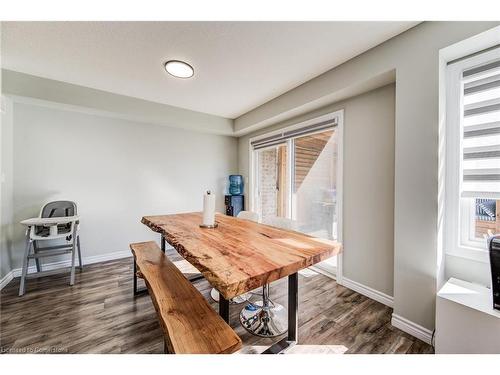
(465, 319)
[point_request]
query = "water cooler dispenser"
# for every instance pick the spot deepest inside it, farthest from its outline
(235, 201)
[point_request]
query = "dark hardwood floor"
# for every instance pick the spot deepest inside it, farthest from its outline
(100, 315)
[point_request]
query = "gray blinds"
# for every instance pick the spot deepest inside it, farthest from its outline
(283, 136)
(481, 131)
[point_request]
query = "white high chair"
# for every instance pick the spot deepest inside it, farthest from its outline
(57, 220)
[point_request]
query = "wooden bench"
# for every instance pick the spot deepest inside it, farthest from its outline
(189, 323)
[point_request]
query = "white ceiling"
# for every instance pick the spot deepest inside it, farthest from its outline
(238, 65)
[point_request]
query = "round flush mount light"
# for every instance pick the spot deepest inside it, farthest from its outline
(179, 69)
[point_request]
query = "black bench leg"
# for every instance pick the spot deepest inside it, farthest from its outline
(135, 277)
(140, 291)
(224, 308)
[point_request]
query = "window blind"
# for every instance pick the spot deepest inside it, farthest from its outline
(283, 136)
(481, 131)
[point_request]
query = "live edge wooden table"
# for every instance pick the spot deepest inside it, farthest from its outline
(240, 255)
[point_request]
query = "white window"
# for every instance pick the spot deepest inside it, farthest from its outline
(472, 154)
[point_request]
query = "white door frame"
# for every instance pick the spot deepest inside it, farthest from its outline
(252, 192)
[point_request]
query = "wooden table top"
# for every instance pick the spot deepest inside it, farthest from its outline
(240, 255)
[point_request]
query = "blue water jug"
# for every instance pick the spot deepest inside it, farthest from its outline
(236, 184)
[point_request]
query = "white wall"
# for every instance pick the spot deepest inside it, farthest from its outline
(6, 191)
(116, 170)
(415, 57)
(368, 226)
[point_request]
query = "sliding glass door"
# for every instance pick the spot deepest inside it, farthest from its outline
(296, 185)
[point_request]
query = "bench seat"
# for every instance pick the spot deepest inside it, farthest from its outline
(189, 323)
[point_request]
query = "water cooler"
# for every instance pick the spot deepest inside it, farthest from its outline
(235, 201)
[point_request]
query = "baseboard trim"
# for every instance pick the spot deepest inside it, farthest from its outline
(6, 279)
(412, 328)
(65, 263)
(367, 291)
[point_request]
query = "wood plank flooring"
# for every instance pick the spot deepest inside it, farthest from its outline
(100, 315)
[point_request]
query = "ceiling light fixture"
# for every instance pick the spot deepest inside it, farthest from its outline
(179, 69)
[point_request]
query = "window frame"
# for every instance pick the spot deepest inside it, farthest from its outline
(458, 239)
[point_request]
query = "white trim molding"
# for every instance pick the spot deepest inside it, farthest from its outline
(412, 328)
(65, 263)
(367, 291)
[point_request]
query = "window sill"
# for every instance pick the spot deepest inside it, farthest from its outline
(471, 295)
(477, 255)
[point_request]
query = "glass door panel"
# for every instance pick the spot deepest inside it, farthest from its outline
(297, 186)
(314, 188)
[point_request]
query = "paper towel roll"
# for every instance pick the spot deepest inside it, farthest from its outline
(209, 208)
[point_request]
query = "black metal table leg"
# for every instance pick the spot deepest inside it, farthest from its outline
(163, 243)
(293, 321)
(224, 308)
(293, 307)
